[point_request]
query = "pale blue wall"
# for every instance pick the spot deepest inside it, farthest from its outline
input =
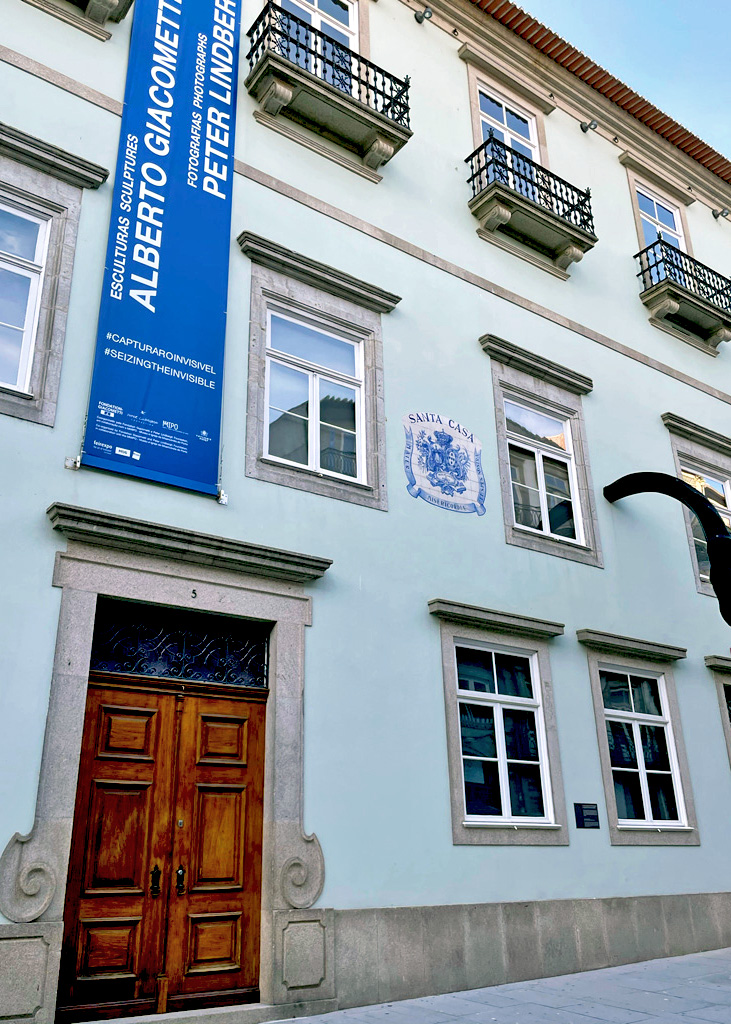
(376, 787)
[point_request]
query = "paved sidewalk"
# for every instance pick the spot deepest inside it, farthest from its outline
(693, 989)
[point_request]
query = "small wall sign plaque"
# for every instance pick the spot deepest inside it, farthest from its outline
(443, 463)
(587, 815)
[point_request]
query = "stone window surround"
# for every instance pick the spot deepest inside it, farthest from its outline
(709, 451)
(129, 559)
(518, 373)
(627, 654)
(485, 625)
(720, 666)
(296, 284)
(48, 182)
(639, 174)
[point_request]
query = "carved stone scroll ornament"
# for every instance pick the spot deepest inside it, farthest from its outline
(722, 334)
(27, 885)
(100, 11)
(303, 875)
(278, 95)
(493, 215)
(663, 306)
(378, 152)
(568, 255)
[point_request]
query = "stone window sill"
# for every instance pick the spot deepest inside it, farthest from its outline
(510, 825)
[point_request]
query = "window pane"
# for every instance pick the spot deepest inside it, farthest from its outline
(338, 451)
(662, 797)
(523, 467)
(513, 675)
(298, 49)
(11, 345)
(482, 787)
(491, 107)
(622, 753)
(655, 747)
(646, 205)
(527, 505)
(336, 9)
(14, 293)
(289, 389)
(649, 231)
(666, 217)
(18, 235)
(521, 168)
(628, 795)
(535, 425)
(521, 739)
(615, 691)
(526, 797)
(701, 547)
(518, 124)
(556, 475)
(477, 725)
(646, 696)
(709, 486)
(288, 437)
(474, 671)
(307, 343)
(561, 517)
(337, 405)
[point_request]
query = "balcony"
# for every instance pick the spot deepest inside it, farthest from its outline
(515, 197)
(684, 294)
(303, 74)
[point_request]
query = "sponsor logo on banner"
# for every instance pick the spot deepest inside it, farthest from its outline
(443, 463)
(155, 405)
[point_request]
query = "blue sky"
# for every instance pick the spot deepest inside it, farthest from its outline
(674, 53)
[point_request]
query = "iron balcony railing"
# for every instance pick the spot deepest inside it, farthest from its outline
(662, 261)
(312, 50)
(494, 161)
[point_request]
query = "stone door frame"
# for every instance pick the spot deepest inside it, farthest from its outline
(129, 559)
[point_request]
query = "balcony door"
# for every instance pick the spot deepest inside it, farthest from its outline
(164, 888)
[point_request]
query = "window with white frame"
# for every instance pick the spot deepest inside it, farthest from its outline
(542, 472)
(502, 732)
(642, 754)
(659, 218)
(716, 487)
(23, 244)
(328, 58)
(314, 382)
(514, 127)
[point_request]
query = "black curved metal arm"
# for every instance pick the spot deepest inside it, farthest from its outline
(713, 526)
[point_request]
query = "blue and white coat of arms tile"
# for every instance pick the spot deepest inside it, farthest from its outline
(443, 463)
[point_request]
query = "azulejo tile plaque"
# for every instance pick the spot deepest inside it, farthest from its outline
(443, 463)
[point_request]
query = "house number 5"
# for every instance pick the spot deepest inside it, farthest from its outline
(194, 593)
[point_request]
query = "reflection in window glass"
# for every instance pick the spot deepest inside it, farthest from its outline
(328, 440)
(19, 235)
(718, 492)
(645, 786)
(658, 220)
(542, 483)
(22, 242)
(504, 769)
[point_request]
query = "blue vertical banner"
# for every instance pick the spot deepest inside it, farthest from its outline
(156, 391)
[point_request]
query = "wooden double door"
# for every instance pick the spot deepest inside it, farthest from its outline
(163, 900)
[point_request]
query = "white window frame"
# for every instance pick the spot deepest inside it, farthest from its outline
(692, 466)
(656, 197)
(537, 449)
(315, 373)
(636, 719)
(495, 94)
(321, 21)
(35, 271)
(499, 702)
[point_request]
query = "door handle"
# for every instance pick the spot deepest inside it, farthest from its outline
(155, 881)
(180, 881)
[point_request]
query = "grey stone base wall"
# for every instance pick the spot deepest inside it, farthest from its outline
(406, 952)
(328, 959)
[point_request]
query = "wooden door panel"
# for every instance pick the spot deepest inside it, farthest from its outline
(219, 821)
(114, 927)
(213, 937)
(214, 943)
(119, 832)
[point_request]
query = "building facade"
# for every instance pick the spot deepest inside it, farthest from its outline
(411, 707)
